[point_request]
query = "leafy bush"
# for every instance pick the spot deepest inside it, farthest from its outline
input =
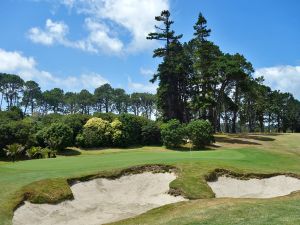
(57, 136)
(14, 150)
(47, 120)
(110, 117)
(172, 133)
(96, 133)
(14, 132)
(35, 153)
(14, 113)
(200, 132)
(151, 134)
(117, 135)
(39, 152)
(76, 123)
(132, 128)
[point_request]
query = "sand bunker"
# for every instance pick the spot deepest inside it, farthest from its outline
(102, 201)
(254, 188)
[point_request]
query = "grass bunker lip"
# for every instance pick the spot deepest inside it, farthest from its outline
(107, 198)
(228, 184)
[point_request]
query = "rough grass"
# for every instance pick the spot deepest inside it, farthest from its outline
(46, 180)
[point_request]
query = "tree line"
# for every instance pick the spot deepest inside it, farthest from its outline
(15, 92)
(199, 81)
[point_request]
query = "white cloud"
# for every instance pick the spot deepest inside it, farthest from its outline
(147, 72)
(99, 38)
(136, 16)
(108, 21)
(53, 32)
(140, 87)
(284, 78)
(26, 67)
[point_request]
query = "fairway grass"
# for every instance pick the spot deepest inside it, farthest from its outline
(238, 153)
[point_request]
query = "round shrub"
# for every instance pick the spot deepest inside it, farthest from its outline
(151, 134)
(172, 133)
(96, 133)
(57, 136)
(117, 135)
(200, 132)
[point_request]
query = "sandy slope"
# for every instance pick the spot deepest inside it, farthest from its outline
(101, 201)
(254, 188)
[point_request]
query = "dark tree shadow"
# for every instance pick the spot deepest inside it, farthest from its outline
(256, 137)
(69, 152)
(235, 141)
(193, 149)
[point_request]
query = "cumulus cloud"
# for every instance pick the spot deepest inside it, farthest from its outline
(141, 87)
(133, 18)
(284, 78)
(26, 67)
(52, 33)
(99, 39)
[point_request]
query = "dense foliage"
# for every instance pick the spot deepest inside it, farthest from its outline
(200, 132)
(96, 133)
(198, 81)
(57, 136)
(173, 133)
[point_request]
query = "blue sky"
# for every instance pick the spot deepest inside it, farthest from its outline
(75, 44)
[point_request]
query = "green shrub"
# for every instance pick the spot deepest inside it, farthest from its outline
(110, 117)
(117, 135)
(35, 152)
(14, 150)
(151, 134)
(47, 120)
(132, 128)
(172, 133)
(57, 136)
(15, 132)
(76, 123)
(200, 132)
(96, 133)
(39, 152)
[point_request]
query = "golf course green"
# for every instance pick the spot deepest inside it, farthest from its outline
(45, 180)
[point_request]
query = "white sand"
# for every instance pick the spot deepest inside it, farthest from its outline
(254, 188)
(102, 201)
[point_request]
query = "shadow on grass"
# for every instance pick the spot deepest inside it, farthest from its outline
(69, 152)
(256, 137)
(236, 141)
(193, 149)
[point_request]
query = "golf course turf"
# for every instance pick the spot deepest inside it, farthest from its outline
(45, 180)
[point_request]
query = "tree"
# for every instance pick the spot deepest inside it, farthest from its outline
(203, 54)
(32, 92)
(71, 102)
(147, 103)
(169, 100)
(11, 87)
(164, 34)
(53, 100)
(85, 101)
(136, 103)
(120, 100)
(104, 97)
